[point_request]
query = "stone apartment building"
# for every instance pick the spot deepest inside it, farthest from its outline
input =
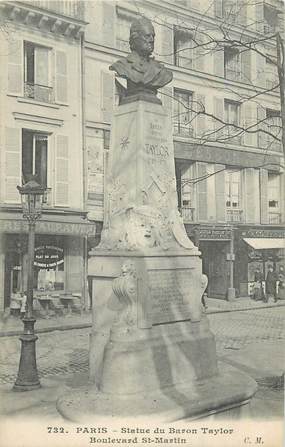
(230, 188)
(56, 100)
(41, 133)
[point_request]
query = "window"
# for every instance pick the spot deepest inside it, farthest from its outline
(37, 73)
(34, 156)
(233, 186)
(274, 126)
(49, 274)
(270, 19)
(232, 11)
(184, 48)
(123, 32)
(183, 112)
(274, 189)
(271, 72)
(232, 64)
(232, 116)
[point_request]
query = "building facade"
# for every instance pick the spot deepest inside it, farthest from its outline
(41, 134)
(230, 182)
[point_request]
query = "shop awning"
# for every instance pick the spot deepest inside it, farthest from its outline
(265, 243)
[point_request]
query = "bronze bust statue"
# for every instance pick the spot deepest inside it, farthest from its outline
(143, 73)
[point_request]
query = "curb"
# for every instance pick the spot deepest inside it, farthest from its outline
(68, 327)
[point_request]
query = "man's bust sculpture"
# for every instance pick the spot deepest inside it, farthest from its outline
(143, 74)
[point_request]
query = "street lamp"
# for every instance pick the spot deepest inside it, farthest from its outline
(27, 379)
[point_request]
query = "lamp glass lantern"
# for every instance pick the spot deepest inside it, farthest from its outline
(31, 196)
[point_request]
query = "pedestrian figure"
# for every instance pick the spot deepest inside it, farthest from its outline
(270, 284)
(281, 285)
(258, 294)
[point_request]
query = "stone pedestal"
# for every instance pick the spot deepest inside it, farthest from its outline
(151, 349)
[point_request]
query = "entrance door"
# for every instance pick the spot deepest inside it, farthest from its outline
(215, 267)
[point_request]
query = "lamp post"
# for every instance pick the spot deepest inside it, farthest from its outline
(27, 379)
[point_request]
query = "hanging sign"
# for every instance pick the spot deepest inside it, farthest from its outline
(48, 256)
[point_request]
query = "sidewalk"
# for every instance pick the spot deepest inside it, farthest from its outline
(11, 326)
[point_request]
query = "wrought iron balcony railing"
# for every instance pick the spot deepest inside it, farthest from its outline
(274, 218)
(38, 92)
(234, 215)
(187, 213)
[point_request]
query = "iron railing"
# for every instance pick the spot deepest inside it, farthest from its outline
(38, 92)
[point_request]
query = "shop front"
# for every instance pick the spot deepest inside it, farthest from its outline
(257, 250)
(60, 264)
(217, 259)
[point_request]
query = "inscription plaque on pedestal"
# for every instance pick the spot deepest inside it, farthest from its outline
(169, 295)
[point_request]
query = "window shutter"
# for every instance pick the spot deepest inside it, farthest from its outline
(218, 7)
(108, 96)
(263, 182)
(220, 193)
(167, 101)
(242, 11)
(12, 164)
(248, 120)
(201, 119)
(202, 191)
(260, 70)
(167, 45)
(261, 115)
(259, 16)
(249, 195)
(219, 113)
(42, 66)
(219, 69)
(246, 66)
(15, 67)
(200, 56)
(108, 30)
(61, 171)
(61, 77)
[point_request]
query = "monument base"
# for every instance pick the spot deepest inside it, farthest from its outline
(225, 391)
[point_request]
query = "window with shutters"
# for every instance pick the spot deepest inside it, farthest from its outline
(274, 198)
(232, 118)
(37, 83)
(232, 64)
(184, 48)
(34, 156)
(123, 32)
(274, 126)
(183, 112)
(233, 195)
(232, 11)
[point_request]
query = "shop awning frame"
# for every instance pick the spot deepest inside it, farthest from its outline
(265, 243)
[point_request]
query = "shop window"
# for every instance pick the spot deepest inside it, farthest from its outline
(34, 156)
(232, 117)
(274, 198)
(183, 112)
(36, 72)
(49, 267)
(232, 64)
(184, 48)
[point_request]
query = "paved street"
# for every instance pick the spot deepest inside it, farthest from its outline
(252, 340)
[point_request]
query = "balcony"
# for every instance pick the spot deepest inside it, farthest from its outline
(234, 215)
(274, 218)
(38, 92)
(187, 213)
(233, 75)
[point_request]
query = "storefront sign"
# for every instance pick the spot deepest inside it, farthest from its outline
(216, 234)
(48, 256)
(21, 226)
(263, 233)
